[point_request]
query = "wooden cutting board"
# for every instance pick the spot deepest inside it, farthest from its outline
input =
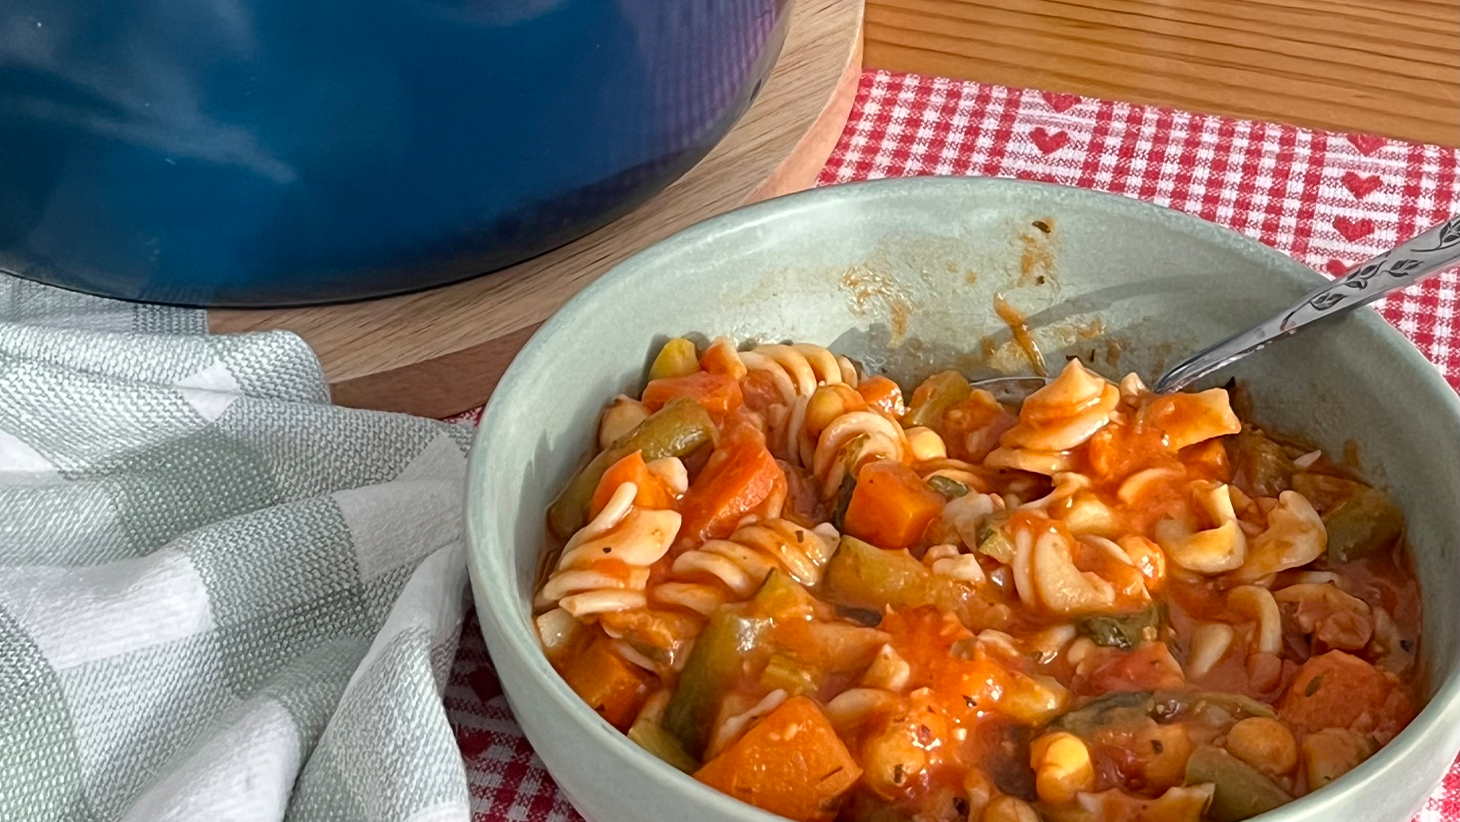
(439, 352)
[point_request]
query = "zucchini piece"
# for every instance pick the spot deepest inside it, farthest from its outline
(662, 744)
(718, 657)
(950, 489)
(937, 394)
(1364, 524)
(1116, 708)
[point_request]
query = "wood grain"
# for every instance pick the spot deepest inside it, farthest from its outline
(439, 352)
(1389, 67)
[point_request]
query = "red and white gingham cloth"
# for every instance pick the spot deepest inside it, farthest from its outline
(1327, 199)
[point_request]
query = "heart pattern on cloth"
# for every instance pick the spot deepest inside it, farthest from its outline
(1360, 187)
(1059, 101)
(1049, 143)
(1353, 230)
(1337, 268)
(1367, 144)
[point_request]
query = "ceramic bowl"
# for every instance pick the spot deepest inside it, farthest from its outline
(901, 276)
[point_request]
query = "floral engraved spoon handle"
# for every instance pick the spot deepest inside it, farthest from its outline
(1434, 251)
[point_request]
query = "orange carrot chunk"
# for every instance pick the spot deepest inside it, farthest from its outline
(792, 764)
(891, 506)
(1338, 690)
(616, 689)
(883, 394)
(722, 358)
(740, 476)
(653, 491)
(716, 393)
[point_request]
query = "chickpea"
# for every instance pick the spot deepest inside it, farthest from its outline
(1265, 744)
(1009, 809)
(1163, 751)
(1033, 699)
(926, 444)
(1331, 753)
(829, 402)
(896, 756)
(1062, 768)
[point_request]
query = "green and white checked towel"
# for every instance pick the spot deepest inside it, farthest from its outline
(221, 597)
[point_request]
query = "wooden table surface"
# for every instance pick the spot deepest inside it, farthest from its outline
(1389, 67)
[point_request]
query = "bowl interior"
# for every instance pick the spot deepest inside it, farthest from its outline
(901, 275)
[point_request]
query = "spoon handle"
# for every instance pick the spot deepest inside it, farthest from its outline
(1406, 264)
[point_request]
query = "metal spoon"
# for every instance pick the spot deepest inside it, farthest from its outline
(1434, 251)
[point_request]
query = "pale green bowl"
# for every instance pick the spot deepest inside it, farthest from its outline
(901, 275)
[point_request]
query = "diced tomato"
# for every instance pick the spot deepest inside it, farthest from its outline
(717, 393)
(740, 476)
(884, 395)
(761, 391)
(1339, 690)
(721, 358)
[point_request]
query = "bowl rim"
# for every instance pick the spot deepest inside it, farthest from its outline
(1426, 726)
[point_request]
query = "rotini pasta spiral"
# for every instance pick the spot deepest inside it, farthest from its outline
(605, 566)
(799, 368)
(786, 434)
(963, 473)
(730, 570)
(850, 441)
(794, 426)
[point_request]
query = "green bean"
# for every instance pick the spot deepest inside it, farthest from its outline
(1242, 791)
(1123, 707)
(675, 430)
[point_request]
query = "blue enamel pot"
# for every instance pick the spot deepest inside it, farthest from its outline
(287, 152)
